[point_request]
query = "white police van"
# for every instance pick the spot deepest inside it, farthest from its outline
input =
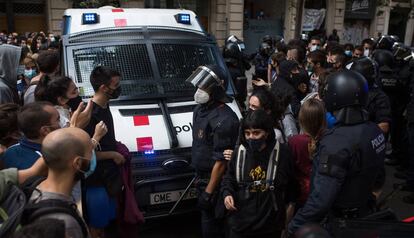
(155, 50)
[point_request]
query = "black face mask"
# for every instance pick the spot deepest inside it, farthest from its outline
(115, 93)
(328, 65)
(256, 144)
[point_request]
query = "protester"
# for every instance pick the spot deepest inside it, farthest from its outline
(58, 91)
(334, 36)
(314, 44)
(358, 52)
(315, 66)
(9, 62)
(368, 46)
(277, 106)
(48, 62)
(9, 131)
(69, 155)
(105, 184)
(259, 165)
(286, 82)
(35, 121)
(303, 146)
(45, 228)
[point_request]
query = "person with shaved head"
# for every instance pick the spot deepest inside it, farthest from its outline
(69, 155)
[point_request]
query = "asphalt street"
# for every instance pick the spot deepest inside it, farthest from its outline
(188, 225)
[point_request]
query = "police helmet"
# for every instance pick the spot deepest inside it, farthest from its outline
(265, 49)
(207, 77)
(386, 42)
(365, 66)
(344, 89)
(234, 39)
(384, 58)
(231, 50)
(401, 52)
(268, 39)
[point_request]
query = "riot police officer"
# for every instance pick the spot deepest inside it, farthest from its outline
(261, 61)
(378, 104)
(396, 88)
(215, 129)
(237, 64)
(348, 158)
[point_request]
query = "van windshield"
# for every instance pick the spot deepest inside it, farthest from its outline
(141, 77)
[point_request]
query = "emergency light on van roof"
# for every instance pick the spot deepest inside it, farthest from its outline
(90, 18)
(183, 18)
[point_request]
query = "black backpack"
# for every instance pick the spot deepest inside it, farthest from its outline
(17, 211)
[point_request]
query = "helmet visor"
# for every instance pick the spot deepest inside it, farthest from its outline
(204, 78)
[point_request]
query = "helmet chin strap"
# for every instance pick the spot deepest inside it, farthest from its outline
(351, 115)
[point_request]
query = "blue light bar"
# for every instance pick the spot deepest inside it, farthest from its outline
(149, 152)
(90, 18)
(183, 18)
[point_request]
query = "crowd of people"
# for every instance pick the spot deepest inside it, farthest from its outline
(309, 148)
(48, 132)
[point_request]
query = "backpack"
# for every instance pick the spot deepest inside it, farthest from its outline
(17, 211)
(270, 173)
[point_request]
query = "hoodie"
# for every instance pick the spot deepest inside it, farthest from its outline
(9, 63)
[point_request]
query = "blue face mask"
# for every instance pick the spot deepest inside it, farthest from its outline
(348, 53)
(29, 73)
(92, 166)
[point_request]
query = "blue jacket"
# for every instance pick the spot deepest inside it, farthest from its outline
(22, 155)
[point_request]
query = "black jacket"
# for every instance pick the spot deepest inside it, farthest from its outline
(255, 210)
(378, 105)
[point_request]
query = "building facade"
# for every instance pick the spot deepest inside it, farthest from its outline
(247, 19)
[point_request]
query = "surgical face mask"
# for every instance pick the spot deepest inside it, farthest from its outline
(29, 73)
(201, 96)
(92, 166)
(348, 53)
(256, 144)
(366, 52)
(314, 47)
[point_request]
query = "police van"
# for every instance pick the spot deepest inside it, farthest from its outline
(155, 50)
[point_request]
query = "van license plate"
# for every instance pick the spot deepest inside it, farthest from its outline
(171, 196)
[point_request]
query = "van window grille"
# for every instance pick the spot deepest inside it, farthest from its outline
(175, 62)
(179, 61)
(132, 61)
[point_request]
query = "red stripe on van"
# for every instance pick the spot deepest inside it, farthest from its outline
(144, 144)
(117, 10)
(120, 22)
(141, 121)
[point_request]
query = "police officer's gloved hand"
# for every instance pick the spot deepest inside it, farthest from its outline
(205, 201)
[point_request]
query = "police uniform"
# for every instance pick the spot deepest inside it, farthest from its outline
(215, 129)
(349, 157)
(394, 83)
(410, 129)
(378, 106)
(344, 170)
